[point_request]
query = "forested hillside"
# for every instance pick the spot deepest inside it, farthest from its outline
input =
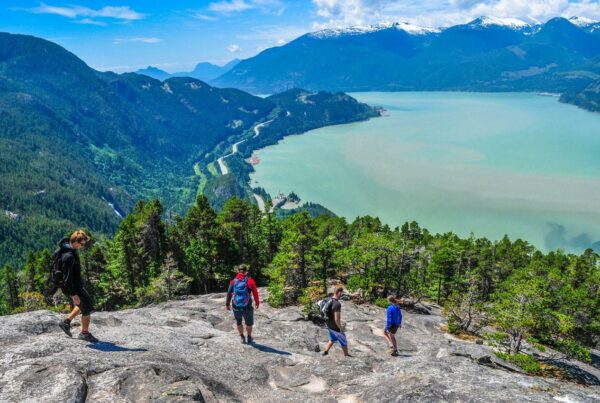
(550, 298)
(79, 147)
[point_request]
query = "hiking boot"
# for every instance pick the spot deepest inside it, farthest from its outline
(390, 350)
(250, 340)
(243, 339)
(394, 353)
(87, 337)
(66, 327)
(325, 352)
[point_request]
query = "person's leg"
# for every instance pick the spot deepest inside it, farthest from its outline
(328, 346)
(341, 337)
(386, 336)
(73, 313)
(249, 320)
(394, 344)
(85, 323)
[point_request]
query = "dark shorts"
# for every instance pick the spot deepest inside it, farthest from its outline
(85, 302)
(246, 314)
(393, 329)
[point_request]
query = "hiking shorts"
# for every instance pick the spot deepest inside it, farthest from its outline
(393, 329)
(246, 314)
(85, 302)
(338, 336)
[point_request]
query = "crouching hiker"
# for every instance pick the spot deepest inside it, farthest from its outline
(66, 275)
(334, 322)
(392, 324)
(238, 296)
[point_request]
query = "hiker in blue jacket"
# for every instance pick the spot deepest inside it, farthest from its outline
(392, 324)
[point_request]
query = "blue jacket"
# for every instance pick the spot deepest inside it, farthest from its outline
(394, 316)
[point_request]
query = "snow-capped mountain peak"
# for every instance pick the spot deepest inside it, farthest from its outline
(582, 21)
(513, 23)
(359, 30)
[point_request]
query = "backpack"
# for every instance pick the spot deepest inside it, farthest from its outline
(241, 293)
(325, 307)
(58, 276)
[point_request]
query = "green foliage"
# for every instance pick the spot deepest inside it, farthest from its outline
(381, 302)
(526, 362)
(574, 350)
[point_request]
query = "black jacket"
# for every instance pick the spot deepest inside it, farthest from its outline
(69, 262)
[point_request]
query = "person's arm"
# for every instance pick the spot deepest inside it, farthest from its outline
(67, 269)
(337, 317)
(228, 299)
(252, 285)
(400, 315)
(388, 317)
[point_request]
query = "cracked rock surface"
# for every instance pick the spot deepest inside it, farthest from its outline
(188, 350)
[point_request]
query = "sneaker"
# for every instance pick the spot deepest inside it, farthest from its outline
(394, 353)
(243, 339)
(325, 353)
(390, 350)
(66, 327)
(87, 337)
(250, 340)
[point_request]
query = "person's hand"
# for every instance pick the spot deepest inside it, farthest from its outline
(257, 306)
(229, 307)
(76, 299)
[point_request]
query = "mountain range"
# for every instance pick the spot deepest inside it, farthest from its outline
(78, 147)
(203, 71)
(487, 54)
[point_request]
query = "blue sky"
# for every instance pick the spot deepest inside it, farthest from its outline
(175, 35)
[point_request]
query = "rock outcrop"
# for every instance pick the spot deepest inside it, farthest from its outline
(188, 350)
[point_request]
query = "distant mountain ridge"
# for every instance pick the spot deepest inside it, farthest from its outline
(486, 54)
(202, 71)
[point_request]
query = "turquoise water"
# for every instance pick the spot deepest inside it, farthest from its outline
(491, 164)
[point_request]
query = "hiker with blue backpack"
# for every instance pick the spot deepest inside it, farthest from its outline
(239, 298)
(392, 324)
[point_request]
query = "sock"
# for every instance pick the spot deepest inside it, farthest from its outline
(85, 331)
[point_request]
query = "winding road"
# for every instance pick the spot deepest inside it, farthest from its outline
(234, 148)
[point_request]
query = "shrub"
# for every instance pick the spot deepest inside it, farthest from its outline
(574, 350)
(454, 326)
(276, 295)
(526, 362)
(381, 302)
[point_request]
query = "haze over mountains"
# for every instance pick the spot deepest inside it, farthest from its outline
(487, 54)
(203, 71)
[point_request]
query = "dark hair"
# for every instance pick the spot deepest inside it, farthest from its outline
(242, 267)
(339, 288)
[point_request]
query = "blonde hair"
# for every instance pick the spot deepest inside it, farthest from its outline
(79, 236)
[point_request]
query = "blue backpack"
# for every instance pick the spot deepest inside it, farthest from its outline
(241, 293)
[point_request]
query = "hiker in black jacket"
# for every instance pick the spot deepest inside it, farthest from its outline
(68, 261)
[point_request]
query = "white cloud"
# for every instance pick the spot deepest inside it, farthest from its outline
(434, 13)
(89, 21)
(233, 48)
(138, 39)
(123, 13)
(228, 7)
(231, 6)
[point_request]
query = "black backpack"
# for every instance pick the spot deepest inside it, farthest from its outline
(58, 274)
(325, 307)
